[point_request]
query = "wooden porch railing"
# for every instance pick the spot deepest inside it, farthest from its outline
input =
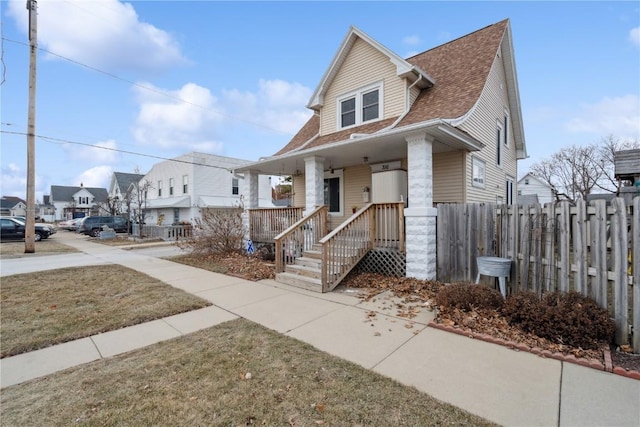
(265, 224)
(374, 225)
(301, 236)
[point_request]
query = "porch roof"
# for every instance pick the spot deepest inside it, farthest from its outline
(171, 202)
(378, 147)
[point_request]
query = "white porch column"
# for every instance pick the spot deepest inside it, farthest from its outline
(251, 198)
(313, 183)
(420, 216)
(250, 190)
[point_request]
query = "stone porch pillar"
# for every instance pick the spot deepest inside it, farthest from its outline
(420, 216)
(250, 190)
(251, 199)
(313, 183)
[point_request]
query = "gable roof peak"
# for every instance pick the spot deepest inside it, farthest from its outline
(403, 68)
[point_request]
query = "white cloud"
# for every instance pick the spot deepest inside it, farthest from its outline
(611, 116)
(634, 36)
(278, 105)
(104, 152)
(14, 181)
(186, 118)
(192, 119)
(98, 176)
(106, 34)
(411, 40)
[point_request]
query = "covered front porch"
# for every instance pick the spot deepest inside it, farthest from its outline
(367, 196)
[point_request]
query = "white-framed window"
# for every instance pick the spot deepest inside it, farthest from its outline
(235, 186)
(171, 183)
(499, 144)
(506, 128)
(526, 181)
(361, 106)
(159, 188)
(478, 173)
(185, 184)
(334, 192)
(508, 196)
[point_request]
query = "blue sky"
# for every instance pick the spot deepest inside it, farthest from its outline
(164, 78)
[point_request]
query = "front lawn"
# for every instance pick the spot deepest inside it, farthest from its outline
(42, 309)
(234, 374)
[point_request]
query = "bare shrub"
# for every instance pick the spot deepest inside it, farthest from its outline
(565, 318)
(468, 297)
(216, 231)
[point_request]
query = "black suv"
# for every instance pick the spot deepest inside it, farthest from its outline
(93, 225)
(13, 228)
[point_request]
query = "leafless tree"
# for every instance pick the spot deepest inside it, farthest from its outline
(111, 206)
(139, 191)
(577, 171)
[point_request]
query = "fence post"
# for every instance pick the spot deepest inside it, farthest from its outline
(580, 248)
(550, 247)
(619, 246)
(599, 252)
(565, 265)
(636, 274)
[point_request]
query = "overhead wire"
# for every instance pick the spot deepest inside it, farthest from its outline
(61, 141)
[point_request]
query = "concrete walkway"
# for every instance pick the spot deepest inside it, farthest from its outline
(502, 385)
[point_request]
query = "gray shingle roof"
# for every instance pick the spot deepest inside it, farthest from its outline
(7, 202)
(124, 180)
(62, 193)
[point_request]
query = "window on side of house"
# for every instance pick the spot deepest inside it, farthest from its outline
(361, 106)
(508, 197)
(499, 144)
(171, 183)
(333, 191)
(185, 184)
(159, 188)
(478, 173)
(235, 187)
(506, 129)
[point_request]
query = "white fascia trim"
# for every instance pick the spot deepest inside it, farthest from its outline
(403, 68)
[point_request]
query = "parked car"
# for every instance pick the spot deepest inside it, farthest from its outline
(12, 228)
(52, 228)
(92, 225)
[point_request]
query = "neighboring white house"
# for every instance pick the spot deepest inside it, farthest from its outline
(120, 189)
(13, 206)
(180, 187)
(73, 202)
(530, 185)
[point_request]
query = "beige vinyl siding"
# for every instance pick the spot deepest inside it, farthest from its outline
(364, 65)
(298, 189)
(448, 177)
(482, 124)
(413, 93)
(355, 179)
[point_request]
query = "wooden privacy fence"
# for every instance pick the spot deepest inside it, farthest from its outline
(592, 249)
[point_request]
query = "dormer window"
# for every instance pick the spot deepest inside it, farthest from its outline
(360, 107)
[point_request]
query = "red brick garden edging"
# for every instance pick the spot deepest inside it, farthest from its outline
(589, 363)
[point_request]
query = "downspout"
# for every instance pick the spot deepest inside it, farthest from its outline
(406, 111)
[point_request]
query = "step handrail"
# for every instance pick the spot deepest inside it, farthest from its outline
(294, 236)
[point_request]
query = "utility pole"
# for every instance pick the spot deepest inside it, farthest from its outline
(29, 233)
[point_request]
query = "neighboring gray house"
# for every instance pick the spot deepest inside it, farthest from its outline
(530, 185)
(72, 202)
(12, 206)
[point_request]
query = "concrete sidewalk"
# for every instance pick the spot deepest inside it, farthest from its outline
(499, 384)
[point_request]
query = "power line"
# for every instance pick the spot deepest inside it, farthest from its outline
(65, 141)
(160, 92)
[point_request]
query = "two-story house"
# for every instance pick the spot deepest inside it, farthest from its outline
(74, 202)
(12, 206)
(180, 187)
(121, 191)
(441, 126)
(530, 185)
